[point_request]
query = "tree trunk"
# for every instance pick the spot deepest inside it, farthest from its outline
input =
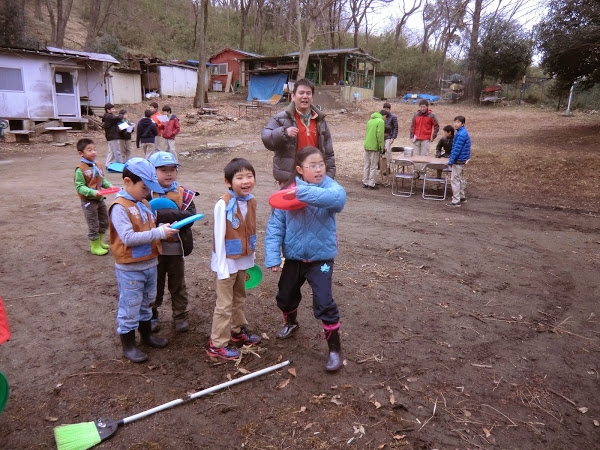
(314, 10)
(470, 91)
(244, 11)
(38, 10)
(199, 99)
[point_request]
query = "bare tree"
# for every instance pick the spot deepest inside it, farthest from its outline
(199, 99)
(452, 20)
(470, 90)
(406, 13)
(98, 15)
(38, 10)
(308, 13)
(431, 21)
(245, 11)
(59, 19)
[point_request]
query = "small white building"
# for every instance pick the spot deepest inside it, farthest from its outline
(124, 86)
(170, 78)
(386, 85)
(51, 84)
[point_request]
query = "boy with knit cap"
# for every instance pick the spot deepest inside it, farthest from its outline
(135, 244)
(89, 179)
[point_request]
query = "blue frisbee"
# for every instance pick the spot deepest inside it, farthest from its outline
(186, 221)
(162, 203)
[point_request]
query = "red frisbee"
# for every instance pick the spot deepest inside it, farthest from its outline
(286, 199)
(108, 191)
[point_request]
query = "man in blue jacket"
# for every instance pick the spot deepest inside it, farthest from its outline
(460, 154)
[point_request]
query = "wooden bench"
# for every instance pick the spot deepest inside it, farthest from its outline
(255, 106)
(21, 136)
(59, 134)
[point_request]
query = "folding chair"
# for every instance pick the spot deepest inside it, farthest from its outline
(402, 170)
(431, 176)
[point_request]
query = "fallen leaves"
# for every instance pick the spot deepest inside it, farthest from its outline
(283, 384)
(336, 399)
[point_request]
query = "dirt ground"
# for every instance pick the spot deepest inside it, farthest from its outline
(462, 328)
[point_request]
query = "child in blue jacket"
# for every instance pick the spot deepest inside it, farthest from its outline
(307, 237)
(461, 152)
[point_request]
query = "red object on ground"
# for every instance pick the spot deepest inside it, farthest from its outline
(494, 88)
(108, 191)
(4, 331)
(285, 199)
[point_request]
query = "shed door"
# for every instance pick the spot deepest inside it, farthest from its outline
(66, 93)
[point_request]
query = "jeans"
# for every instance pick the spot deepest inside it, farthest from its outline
(137, 291)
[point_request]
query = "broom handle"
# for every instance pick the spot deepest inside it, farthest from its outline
(209, 390)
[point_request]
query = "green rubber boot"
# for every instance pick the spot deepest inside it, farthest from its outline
(102, 243)
(96, 248)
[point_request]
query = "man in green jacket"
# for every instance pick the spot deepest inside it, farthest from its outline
(374, 146)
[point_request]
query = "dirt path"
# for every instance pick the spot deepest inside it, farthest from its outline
(474, 327)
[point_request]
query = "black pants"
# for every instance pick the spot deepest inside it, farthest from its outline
(173, 267)
(319, 275)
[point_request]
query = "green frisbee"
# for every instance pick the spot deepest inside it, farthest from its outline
(253, 277)
(3, 391)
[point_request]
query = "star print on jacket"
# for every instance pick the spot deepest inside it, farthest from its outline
(325, 268)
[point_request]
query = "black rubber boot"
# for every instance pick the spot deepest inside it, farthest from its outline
(130, 351)
(334, 362)
(145, 330)
(291, 325)
(154, 321)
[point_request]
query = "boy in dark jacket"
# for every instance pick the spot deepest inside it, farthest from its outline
(445, 143)
(146, 134)
(170, 261)
(125, 130)
(110, 123)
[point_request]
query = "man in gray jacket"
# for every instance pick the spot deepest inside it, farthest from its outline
(295, 127)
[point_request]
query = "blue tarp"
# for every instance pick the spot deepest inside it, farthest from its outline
(431, 98)
(263, 87)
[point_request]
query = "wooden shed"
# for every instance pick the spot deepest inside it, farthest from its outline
(386, 85)
(225, 68)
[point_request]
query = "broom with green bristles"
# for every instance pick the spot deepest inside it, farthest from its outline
(81, 436)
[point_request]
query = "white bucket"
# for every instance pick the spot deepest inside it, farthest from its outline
(408, 151)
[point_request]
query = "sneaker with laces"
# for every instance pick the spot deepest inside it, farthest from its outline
(244, 337)
(226, 353)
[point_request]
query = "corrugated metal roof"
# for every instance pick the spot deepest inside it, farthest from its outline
(93, 56)
(248, 54)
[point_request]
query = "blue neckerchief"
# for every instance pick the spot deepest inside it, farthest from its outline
(95, 170)
(231, 207)
(171, 188)
(140, 205)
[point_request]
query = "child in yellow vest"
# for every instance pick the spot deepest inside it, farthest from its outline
(234, 242)
(89, 179)
(135, 244)
(171, 260)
